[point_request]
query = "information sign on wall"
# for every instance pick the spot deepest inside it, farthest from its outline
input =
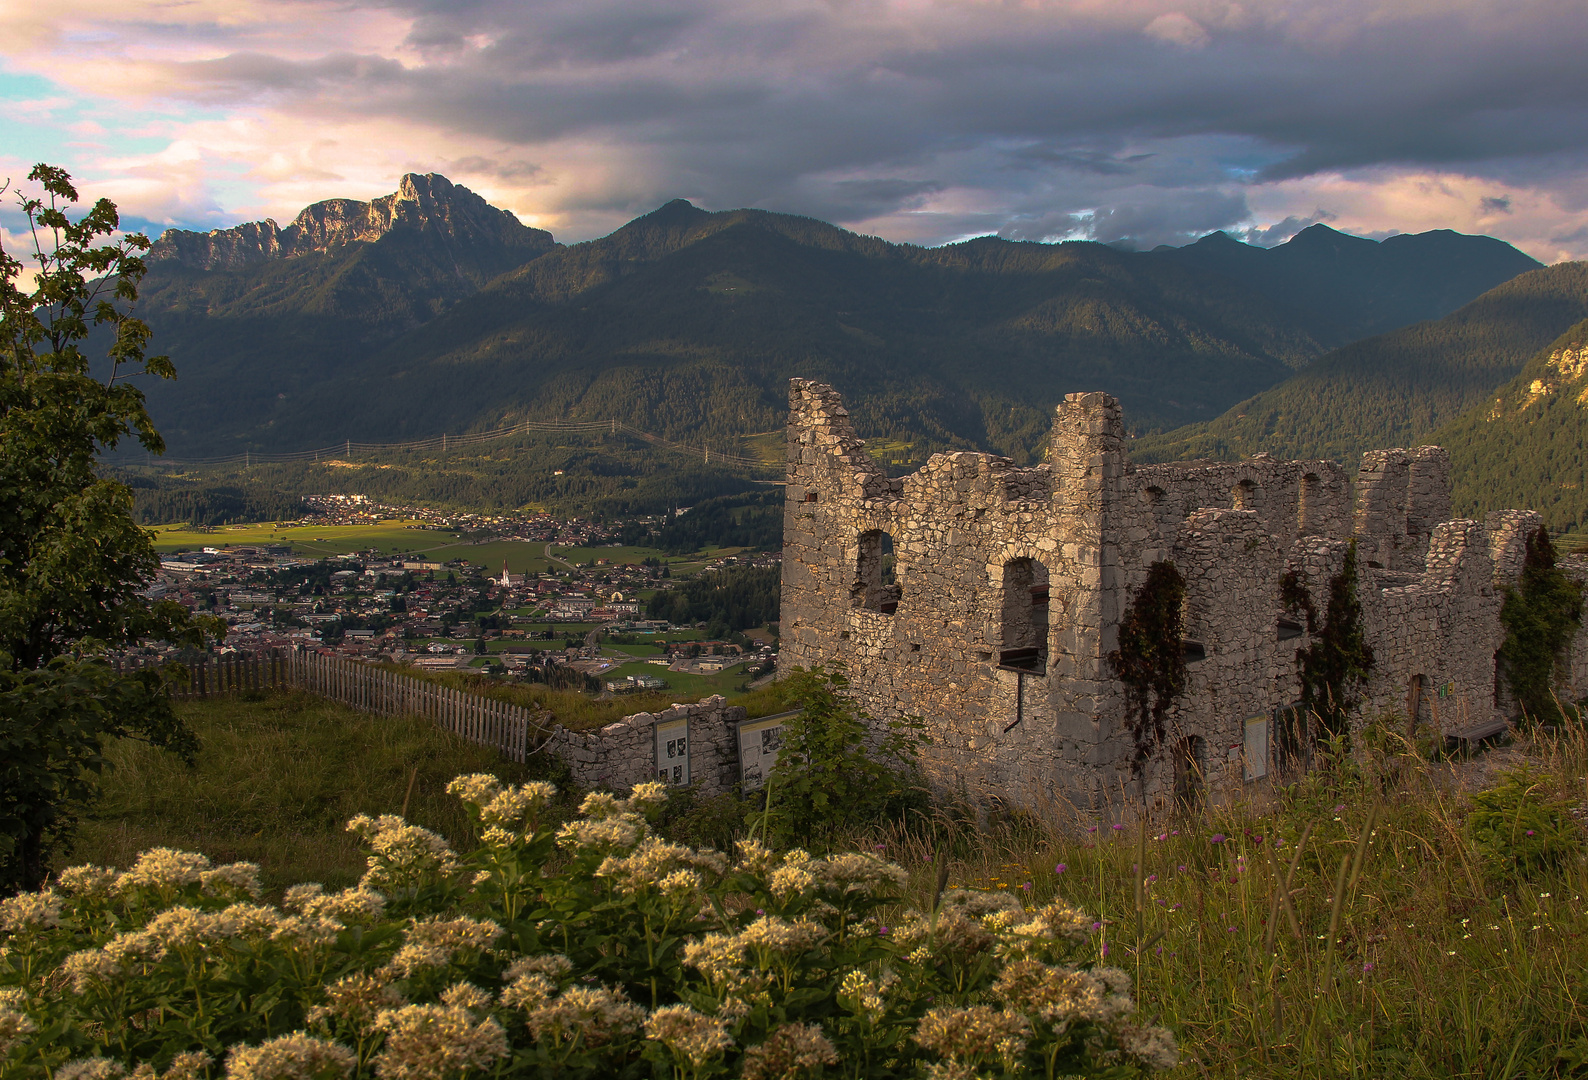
(1255, 753)
(672, 752)
(759, 743)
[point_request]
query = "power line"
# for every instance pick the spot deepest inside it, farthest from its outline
(447, 443)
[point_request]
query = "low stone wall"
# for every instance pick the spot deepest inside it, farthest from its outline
(623, 753)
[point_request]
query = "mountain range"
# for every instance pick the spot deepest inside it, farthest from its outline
(429, 311)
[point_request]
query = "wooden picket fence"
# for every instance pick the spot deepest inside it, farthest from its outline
(470, 716)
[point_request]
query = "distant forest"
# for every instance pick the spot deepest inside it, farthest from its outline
(725, 601)
(156, 503)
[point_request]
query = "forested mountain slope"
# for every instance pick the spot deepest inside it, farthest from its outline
(1343, 288)
(1523, 447)
(688, 324)
(1393, 389)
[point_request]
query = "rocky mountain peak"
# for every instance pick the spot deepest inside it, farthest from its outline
(428, 207)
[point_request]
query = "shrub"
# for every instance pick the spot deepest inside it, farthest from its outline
(1519, 828)
(828, 779)
(1540, 616)
(590, 949)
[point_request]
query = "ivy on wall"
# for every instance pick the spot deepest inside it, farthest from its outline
(1339, 658)
(1539, 615)
(1150, 660)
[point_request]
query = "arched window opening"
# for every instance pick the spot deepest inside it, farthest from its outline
(1190, 772)
(876, 585)
(1025, 616)
(1242, 496)
(1309, 508)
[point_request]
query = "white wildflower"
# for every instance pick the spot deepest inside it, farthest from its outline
(298, 1056)
(755, 857)
(1154, 1047)
(716, 956)
(357, 1000)
(609, 833)
(436, 1042)
(972, 1033)
(436, 942)
(403, 854)
(164, 869)
(299, 897)
(691, 1036)
(232, 880)
(515, 807)
(599, 805)
(553, 965)
(30, 912)
(651, 795)
(597, 1015)
(528, 991)
(188, 1065)
(87, 882)
(88, 967)
(790, 1050)
(770, 934)
(861, 995)
(465, 995)
(860, 873)
(15, 1025)
(476, 789)
(90, 1069)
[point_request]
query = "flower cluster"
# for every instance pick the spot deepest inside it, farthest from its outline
(590, 950)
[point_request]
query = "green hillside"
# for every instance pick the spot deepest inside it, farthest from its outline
(1343, 288)
(1392, 390)
(1524, 445)
(689, 324)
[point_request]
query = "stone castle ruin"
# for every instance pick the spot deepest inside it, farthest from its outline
(986, 599)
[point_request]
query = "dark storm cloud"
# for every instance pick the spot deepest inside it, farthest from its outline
(1120, 128)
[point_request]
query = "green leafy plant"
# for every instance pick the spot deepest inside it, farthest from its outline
(589, 949)
(73, 561)
(837, 768)
(1338, 660)
(1150, 660)
(1540, 615)
(1520, 828)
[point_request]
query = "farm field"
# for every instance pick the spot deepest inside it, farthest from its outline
(391, 536)
(409, 538)
(690, 687)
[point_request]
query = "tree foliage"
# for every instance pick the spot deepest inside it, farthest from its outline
(73, 561)
(1339, 658)
(1540, 616)
(728, 600)
(1150, 660)
(837, 768)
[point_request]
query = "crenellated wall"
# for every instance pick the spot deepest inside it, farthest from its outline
(1008, 586)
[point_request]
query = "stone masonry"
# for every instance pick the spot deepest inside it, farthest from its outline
(623, 754)
(986, 598)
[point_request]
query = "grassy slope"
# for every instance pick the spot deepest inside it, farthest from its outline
(1393, 389)
(1442, 966)
(275, 783)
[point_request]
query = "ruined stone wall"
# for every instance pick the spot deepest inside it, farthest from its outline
(1010, 585)
(623, 753)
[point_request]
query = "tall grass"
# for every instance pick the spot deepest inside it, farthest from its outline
(1411, 953)
(1401, 948)
(275, 783)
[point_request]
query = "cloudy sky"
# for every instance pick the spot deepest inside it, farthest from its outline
(1144, 121)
